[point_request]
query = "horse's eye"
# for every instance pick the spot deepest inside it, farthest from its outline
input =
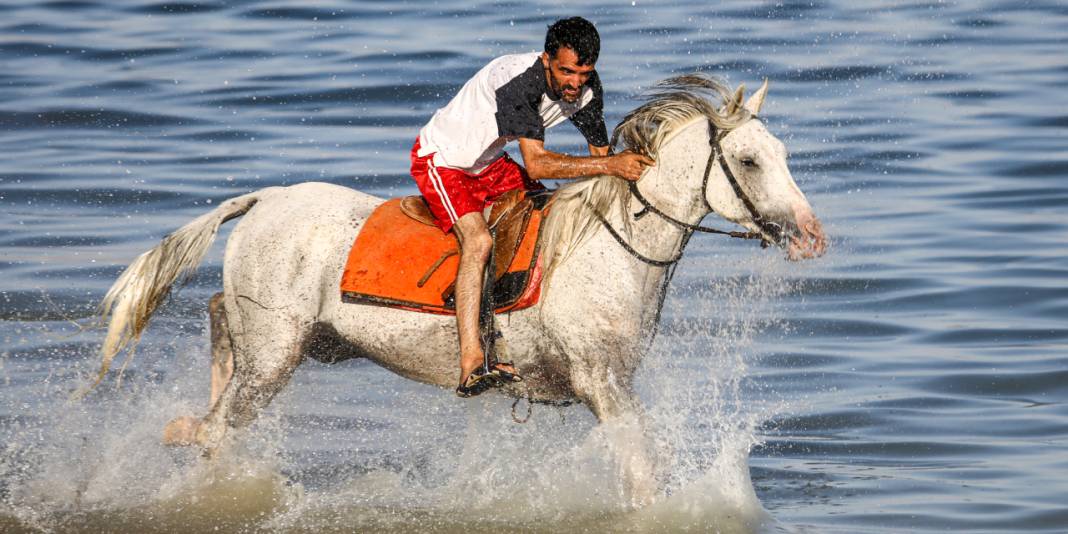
(748, 162)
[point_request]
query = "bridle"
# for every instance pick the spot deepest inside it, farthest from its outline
(716, 154)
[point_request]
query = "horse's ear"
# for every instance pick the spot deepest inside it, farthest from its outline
(736, 101)
(755, 102)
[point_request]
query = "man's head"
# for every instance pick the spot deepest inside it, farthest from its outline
(571, 49)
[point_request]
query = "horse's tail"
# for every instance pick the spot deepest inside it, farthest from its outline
(148, 280)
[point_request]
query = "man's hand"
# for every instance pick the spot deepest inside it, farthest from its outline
(629, 165)
(543, 164)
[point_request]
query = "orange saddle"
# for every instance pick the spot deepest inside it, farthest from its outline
(400, 262)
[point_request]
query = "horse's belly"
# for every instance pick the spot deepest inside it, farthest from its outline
(425, 347)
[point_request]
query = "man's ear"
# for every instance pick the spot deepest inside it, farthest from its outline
(545, 59)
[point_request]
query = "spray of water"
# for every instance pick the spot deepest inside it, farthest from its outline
(698, 387)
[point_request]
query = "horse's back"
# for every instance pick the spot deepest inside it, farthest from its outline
(324, 211)
(323, 198)
(293, 242)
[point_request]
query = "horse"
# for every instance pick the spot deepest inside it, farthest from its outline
(610, 248)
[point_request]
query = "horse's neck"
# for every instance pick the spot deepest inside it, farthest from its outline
(674, 187)
(630, 288)
(650, 235)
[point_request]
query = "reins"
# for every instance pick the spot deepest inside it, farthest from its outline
(716, 154)
(626, 246)
(532, 401)
(648, 207)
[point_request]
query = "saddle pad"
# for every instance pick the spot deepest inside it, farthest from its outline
(393, 252)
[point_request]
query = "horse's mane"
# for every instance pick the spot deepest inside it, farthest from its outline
(672, 103)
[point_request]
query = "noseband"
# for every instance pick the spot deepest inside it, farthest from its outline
(716, 154)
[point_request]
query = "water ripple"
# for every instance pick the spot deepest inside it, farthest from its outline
(836, 73)
(89, 119)
(349, 95)
(177, 8)
(315, 14)
(1001, 383)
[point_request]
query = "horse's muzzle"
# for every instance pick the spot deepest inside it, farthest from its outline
(806, 239)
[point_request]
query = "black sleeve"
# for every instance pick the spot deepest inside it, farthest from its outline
(517, 106)
(590, 119)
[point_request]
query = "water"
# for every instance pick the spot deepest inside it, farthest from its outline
(914, 379)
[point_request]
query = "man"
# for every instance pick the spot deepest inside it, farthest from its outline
(460, 167)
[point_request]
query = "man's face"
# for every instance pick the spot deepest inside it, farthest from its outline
(565, 76)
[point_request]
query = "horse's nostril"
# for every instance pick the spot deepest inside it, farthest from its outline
(776, 231)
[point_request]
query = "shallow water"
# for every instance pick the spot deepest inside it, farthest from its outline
(913, 379)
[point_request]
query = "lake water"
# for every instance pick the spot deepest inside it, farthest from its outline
(914, 379)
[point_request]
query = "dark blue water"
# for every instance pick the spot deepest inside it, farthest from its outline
(915, 379)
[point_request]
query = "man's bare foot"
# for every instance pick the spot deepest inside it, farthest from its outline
(468, 364)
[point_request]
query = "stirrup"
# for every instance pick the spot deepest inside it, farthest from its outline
(477, 383)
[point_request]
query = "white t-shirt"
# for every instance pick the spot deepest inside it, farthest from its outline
(508, 99)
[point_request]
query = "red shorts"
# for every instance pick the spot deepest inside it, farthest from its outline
(452, 193)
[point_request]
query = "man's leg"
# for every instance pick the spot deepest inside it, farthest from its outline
(475, 245)
(457, 202)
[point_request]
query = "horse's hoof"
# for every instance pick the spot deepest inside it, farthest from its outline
(181, 431)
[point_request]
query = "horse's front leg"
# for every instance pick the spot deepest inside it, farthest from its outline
(614, 403)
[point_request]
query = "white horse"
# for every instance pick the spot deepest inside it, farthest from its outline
(606, 274)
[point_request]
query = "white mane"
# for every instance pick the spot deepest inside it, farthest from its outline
(674, 103)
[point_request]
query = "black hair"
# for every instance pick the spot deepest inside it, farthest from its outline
(577, 34)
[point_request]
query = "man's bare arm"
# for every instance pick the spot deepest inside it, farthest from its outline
(599, 150)
(544, 164)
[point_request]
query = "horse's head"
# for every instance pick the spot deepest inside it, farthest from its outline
(750, 184)
(745, 177)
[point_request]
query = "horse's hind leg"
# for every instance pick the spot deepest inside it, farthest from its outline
(265, 357)
(182, 430)
(222, 351)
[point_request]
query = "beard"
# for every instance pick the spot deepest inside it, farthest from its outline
(568, 93)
